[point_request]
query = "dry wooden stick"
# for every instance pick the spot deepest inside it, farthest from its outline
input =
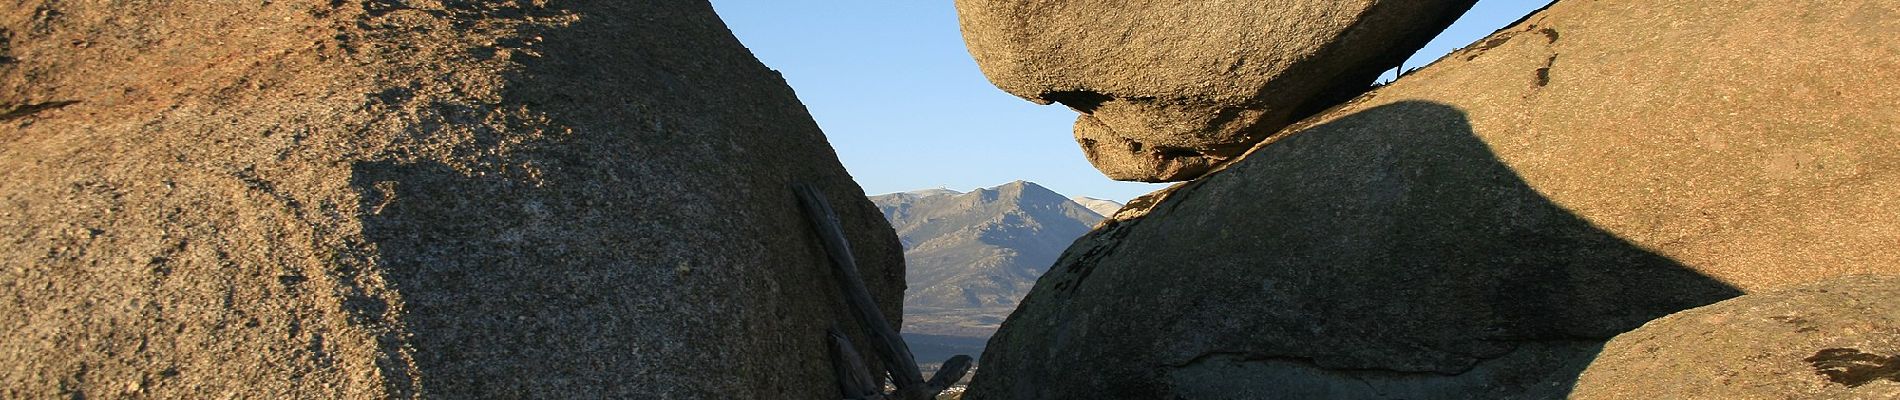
(889, 346)
(885, 341)
(952, 371)
(853, 378)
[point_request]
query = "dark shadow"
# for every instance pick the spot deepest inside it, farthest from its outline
(489, 314)
(1384, 254)
(618, 223)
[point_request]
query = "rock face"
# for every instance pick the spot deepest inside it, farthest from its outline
(972, 256)
(381, 199)
(1168, 89)
(1838, 339)
(1478, 228)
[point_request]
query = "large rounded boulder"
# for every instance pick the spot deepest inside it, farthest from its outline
(1838, 339)
(404, 199)
(1168, 89)
(1480, 227)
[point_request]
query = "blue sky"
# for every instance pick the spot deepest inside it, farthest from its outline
(906, 108)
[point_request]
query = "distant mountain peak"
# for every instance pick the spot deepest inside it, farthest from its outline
(1105, 207)
(977, 253)
(933, 192)
(1026, 193)
(917, 194)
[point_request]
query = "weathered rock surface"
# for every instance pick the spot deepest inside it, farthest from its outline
(1478, 228)
(399, 199)
(1168, 89)
(1838, 339)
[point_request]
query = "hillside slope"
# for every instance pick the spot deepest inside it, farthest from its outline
(972, 256)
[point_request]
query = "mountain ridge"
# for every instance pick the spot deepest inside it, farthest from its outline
(971, 256)
(1103, 207)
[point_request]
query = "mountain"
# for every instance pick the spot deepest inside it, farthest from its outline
(972, 256)
(1106, 208)
(905, 197)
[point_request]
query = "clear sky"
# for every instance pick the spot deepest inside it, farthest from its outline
(906, 108)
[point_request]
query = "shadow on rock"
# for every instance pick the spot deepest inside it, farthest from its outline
(617, 221)
(1383, 254)
(489, 284)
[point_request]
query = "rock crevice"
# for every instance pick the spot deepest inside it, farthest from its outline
(1164, 100)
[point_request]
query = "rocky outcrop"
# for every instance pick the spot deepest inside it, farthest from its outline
(1478, 228)
(1838, 339)
(400, 199)
(1168, 89)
